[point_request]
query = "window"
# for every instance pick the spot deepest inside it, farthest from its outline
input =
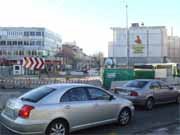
(16, 67)
(3, 42)
(26, 43)
(97, 94)
(20, 33)
(75, 94)
(17, 52)
(32, 42)
(9, 53)
(9, 43)
(40, 53)
(163, 85)
(21, 52)
(32, 33)
(20, 42)
(38, 33)
(34, 53)
(38, 42)
(4, 52)
(136, 84)
(26, 33)
(37, 94)
(29, 52)
(14, 42)
(155, 86)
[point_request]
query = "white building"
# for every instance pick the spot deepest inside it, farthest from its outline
(146, 44)
(174, 48)
(17, 42)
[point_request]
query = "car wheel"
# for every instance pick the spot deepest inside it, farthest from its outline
(124, 117)
(149, 104)
(178, 99)
(58, 127)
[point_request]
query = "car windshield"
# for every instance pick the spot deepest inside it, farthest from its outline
(37, 94)
(136, 84)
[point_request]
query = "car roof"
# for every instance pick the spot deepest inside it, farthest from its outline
(149, 80)
(68, 85)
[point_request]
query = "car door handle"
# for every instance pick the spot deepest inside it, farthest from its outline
(67, 107)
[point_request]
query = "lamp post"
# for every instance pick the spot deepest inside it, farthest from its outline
(127, 29)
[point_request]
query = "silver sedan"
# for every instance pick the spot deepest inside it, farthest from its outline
(148, 92)
(59, 109)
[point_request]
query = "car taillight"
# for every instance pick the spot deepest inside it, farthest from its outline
(25, 111)
(133, 93)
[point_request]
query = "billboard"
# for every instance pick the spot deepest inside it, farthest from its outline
(138, 44)
(138, 47)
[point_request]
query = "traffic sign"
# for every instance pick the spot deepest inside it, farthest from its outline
(33, 63)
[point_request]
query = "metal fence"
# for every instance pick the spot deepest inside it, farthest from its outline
(33, 83)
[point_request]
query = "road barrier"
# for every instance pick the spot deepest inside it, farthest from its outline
(33, 83)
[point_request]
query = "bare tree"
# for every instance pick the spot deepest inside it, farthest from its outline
(98, 59)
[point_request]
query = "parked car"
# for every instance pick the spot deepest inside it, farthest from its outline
(63, 108)
(148, 92)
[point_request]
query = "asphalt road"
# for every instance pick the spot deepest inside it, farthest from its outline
(173, 129)
(160, 116)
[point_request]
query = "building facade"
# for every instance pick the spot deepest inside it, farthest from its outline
(146, 45)
(17, 42)
(174, 49)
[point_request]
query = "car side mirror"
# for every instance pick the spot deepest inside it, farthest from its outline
(111, 97)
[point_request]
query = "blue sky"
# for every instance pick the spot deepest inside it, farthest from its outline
(89, 21)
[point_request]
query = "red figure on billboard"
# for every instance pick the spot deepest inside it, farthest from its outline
(138, 40)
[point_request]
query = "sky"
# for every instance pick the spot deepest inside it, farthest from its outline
(88, 22)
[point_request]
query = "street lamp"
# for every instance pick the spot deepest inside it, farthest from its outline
(127, 29)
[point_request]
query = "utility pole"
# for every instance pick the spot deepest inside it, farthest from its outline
(127, 29)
